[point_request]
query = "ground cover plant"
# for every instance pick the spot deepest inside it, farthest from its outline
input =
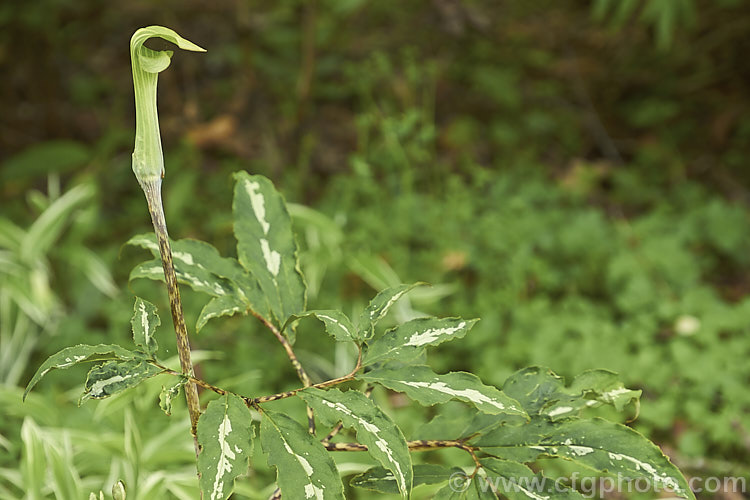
(534, 414)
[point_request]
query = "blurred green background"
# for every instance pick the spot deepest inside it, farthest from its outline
(573, 172)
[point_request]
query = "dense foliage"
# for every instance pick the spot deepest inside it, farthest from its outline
(571, 172)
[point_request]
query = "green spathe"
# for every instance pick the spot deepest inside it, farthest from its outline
(148, 161)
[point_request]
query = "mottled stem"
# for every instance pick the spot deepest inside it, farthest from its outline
(155, 208)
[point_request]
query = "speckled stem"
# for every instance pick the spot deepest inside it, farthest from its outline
(155, 208)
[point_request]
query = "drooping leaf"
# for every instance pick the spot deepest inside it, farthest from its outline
(167, 394)
(144, 323)
(382, 480)
(596, 443)
(116, 376)
(383, 438)
(81, 353)
(517, 482)
(407, 341)
(337, 324)
(265, 244)
(200, 266)
(541, 392)
(217, 307)
(304, 468)
(379, 307)
(425, 386)
(225, 435)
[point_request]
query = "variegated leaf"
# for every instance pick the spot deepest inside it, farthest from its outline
(144, 323)
(81, 353)
(385, 441)
(200, 266)
(541, 392)
(422, 384)
(337, 324)
(407, 341)
(167, 394)
(304, 468)
(116, 376)
(219, 306)
(225, 435)
(379, 307)
(603, 446)
(382, 480)
(517, 482)
(266, 245)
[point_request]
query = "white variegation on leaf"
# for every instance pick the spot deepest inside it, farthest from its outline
(144, 323)
(407, 341)
(337, 324)
(541, 392)
(518, 482)
(71, 356)
(382, 480)
(116, 376)
(265, 244)
(422, 384)
(200, 266)
(385, 441)
(379, 307)
(304, 468)
(167, 394)
(225, 435)
(597, 444)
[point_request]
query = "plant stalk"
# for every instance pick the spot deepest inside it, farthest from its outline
(156, 209)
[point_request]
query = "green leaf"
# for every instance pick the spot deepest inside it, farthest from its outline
(382, 480)
(337, 324)
(541, 392)
(217, 307)
(81, 353)
(597, 444)
(43, 158)
(116, 376)
(144, 323)
(304, 468)
(517, 482)
(225, 435)
(379, 307)
(200, 266)
(167, 394)
(407, 341)
(266, 245)
(462, 487)
(428, 388)
(384, 440)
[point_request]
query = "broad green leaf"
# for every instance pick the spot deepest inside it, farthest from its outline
(304, 468)
(597, 444)
(266, 245)
(517, 482)
(144, 323)
(428, 388)
(465, 425)
(116, 376)
(379, 307)
(219, 306)
(384, 440)
(200, 266)
(383, 481)
(337, 324)
(167, 394)
(541, 392)
(407, 341)
(81, 353)
(225, 435)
